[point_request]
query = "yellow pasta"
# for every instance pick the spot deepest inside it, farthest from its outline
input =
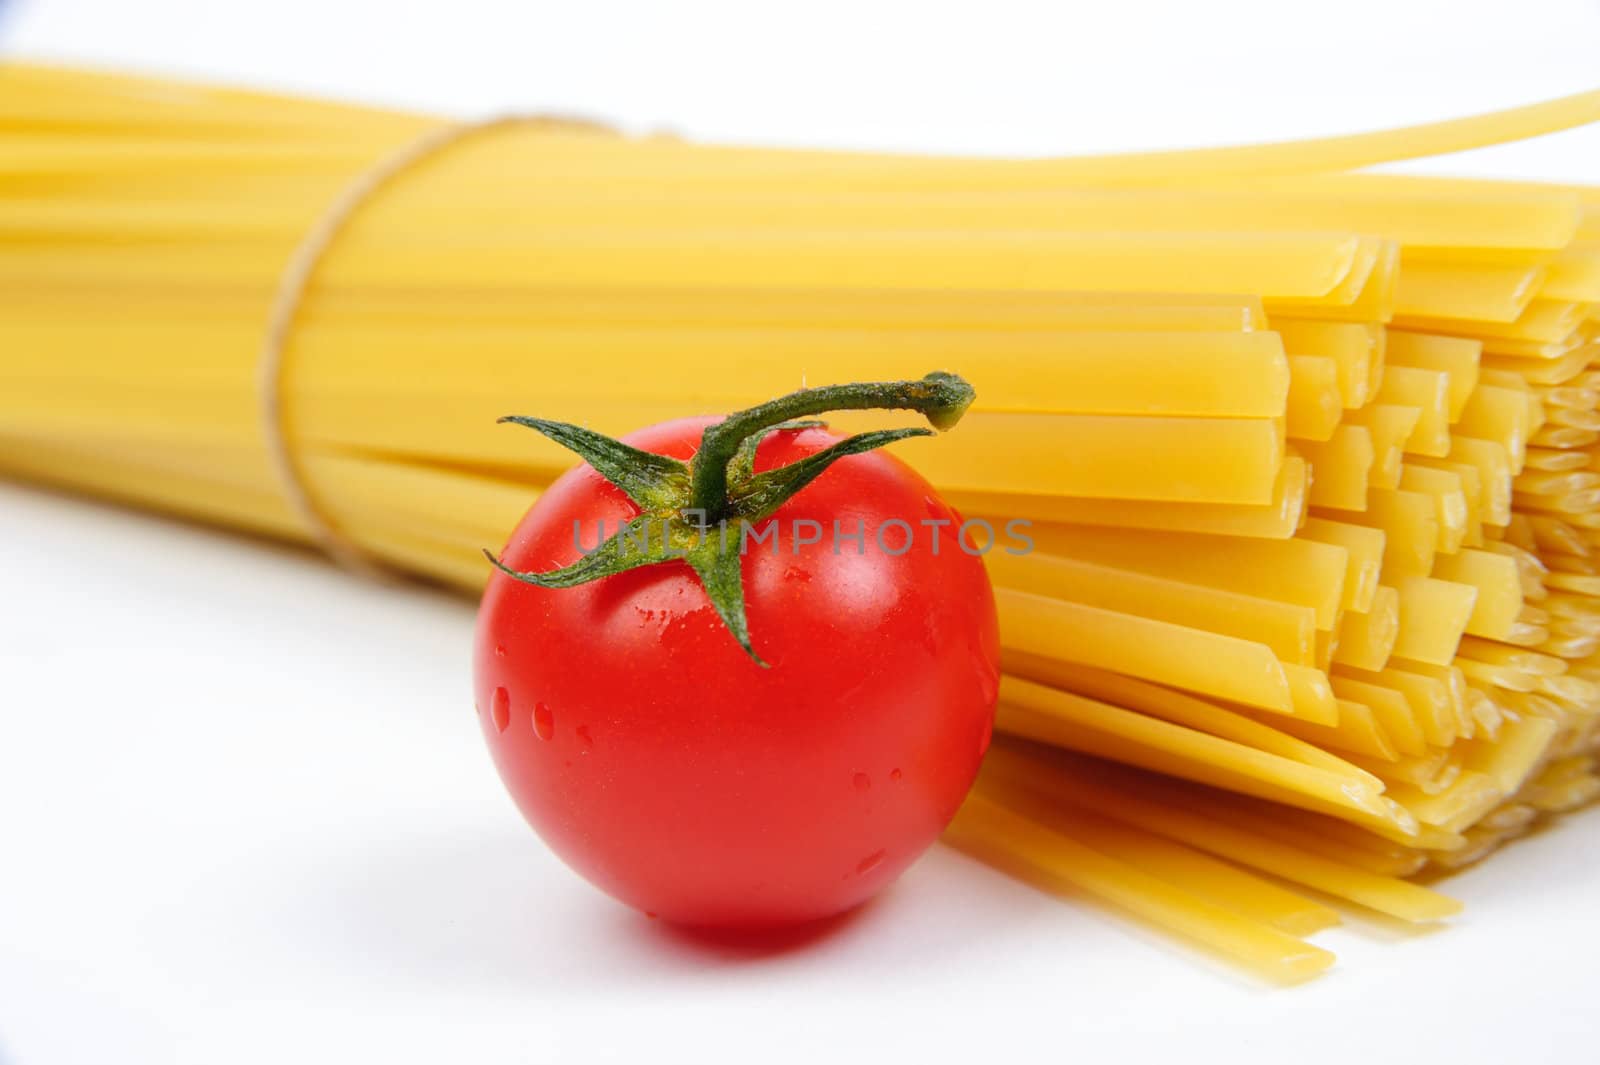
(1433, 616)
(1293, 571)
(1187, 373)
(1340, 468)
(1409, 525)
(1495, 470)
(1390, 709)
(1479, 291)
(1574, 274)
(1350, 346)
(1285, 628)
(1429, 698)
(1471, 796)
(1172, 654)
(1321, 835)
(1391, 427)
(1355, 732)
(1176, 707)
(1365, 295)
(1047, 715)
(1499, 588)
(1364, 550)
(1543, 322)
(1274, 520)
(1161, 810)
(1457, 358)
(1200, 874)
(1428, 392)
(1314, 407)
(1451, 513)
(1470, 480)
(1012, 841)
(1306, 461)
(1367, 639)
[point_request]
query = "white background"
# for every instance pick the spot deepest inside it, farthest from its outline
(245, 815)
(994, 76)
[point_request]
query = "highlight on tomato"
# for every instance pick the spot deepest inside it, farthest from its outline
(742, 671)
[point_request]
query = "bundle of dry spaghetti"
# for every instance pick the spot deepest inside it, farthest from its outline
(1313, 455)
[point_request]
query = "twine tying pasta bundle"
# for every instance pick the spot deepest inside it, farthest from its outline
(1312, 455)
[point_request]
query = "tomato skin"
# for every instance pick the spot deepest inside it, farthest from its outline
(661, 763)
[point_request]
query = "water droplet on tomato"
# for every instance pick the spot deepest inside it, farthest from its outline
(500, 650)
(895, 775)
(544, 722)
(500, 709)
(585, 740)
(870, 862)
(862, 782)
(795, 573)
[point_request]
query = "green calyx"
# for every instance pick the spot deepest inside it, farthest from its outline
(699, 511)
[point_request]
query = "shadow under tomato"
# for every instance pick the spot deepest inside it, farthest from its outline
(494, 908)
(754, 944)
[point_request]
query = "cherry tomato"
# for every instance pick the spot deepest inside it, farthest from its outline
(685, 778)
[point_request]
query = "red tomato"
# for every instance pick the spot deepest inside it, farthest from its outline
(673, 771)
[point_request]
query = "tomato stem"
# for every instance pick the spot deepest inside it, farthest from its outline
(941, 397)
(719, 487)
